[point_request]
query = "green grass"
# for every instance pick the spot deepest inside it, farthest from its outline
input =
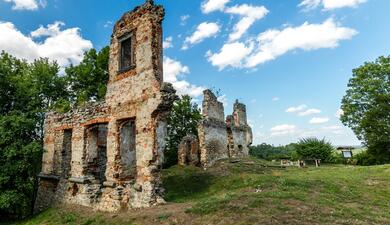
(254, 192)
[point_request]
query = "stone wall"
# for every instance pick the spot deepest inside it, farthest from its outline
(239, 132)
(108, 155)
(188, 151)
(212, 131)
(220, 138)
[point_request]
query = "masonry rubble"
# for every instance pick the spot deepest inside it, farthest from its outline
(108, 155)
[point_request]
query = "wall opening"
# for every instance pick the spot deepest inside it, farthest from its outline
(127, 52)
(128, 149)
(230, 142)
(96, 146)
(66, 154)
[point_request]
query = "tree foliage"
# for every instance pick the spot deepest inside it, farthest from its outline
(270, 152)
(366, 107)
(27, 92)
(314, 148)
(88, 80)
(183, 120)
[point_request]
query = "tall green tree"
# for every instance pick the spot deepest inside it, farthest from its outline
(88, 80)
(366, 107)
(27, 91)
(183, 120)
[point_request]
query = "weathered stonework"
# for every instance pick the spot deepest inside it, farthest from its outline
(188, 151)
(212, 131)
(108, 155)
(220, 138)
(239, 132)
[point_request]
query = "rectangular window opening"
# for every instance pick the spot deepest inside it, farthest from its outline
(126, 53)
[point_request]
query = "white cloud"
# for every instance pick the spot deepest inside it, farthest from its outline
(231, 54)
(65, 46)
(108, 24)
(283, 129)
(223, 98)
(183, 19)
(209, 6)
(330, 4)
(203, 31)
(295, 109)
(309, 112)
(167, 43)
(275, 99)
(172, 71)
(274, 43)
(339, 113)
(250, 14)
(319, 120)
(27, 4)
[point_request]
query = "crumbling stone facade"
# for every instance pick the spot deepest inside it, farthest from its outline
(212, 131)
(220, 138)
(188, 151)
(239, 132)
(108, 155)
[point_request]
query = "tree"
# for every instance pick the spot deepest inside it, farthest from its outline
(183, 120)
(366, 107)
(27, 91)
(88, 80)
(314, 148)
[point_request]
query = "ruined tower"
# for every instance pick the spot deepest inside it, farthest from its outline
(108, 155)
(221, 138)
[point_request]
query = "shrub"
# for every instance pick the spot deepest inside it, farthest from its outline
(314, 148)
(366, 159)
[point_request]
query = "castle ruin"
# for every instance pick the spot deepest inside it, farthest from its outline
(108, 155)
(218, 138)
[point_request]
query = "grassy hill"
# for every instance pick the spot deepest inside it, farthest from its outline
(253, 192)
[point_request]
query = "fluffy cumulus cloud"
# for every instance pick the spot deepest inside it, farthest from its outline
(319, 120)
(295, 109)
(339, 113)
(302, 110)
(250, 14)
(309, 112)
(330, 4)
(66, 46)
(174, 71)
(283, 129)
(27, 4)
(275, 43)
(203, 31)
(167, 43)
(209, 6)
(231, 54)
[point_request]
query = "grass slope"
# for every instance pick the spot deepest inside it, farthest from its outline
(251, 192)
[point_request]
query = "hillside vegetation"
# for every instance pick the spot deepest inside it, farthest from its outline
(254, 192)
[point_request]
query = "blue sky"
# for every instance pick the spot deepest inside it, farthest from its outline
(289, 61)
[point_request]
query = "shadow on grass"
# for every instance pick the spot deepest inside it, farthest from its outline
(183, 184)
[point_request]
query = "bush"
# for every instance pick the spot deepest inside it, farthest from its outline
(314, 148)
(366, 159)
